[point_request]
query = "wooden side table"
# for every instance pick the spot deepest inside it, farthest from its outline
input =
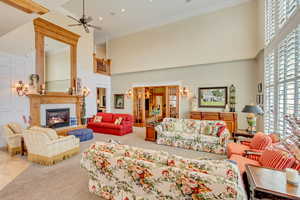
(269, 183)
(242, 133)
(151, 134)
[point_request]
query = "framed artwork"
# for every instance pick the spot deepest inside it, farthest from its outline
(119, 101)
(212, 97)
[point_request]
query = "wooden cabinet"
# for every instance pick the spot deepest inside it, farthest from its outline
(150, 133)
(229, 117)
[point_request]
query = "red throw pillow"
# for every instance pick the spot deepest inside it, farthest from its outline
(221, 130)
(260, 141)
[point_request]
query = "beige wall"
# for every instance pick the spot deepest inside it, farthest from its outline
(101, 51)
(240, 73)
(226, 35)
(260, 6)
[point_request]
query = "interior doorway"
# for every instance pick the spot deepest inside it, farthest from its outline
(101, 99)
(154, 104)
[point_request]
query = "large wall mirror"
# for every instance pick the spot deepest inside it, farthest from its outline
(57, 65)
(56, 56)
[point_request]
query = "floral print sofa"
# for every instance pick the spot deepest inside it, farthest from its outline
(199, 135)
(121, 172)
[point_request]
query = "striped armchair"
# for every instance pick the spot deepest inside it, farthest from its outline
(13, 136)
(45, 147)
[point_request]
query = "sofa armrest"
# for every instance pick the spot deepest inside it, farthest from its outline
(90, 119)
(14, 140)
(127, 123)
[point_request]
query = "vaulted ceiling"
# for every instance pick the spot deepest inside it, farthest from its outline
(118, 17)
(121, 17)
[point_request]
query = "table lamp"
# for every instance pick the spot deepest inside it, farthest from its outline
(252, 111)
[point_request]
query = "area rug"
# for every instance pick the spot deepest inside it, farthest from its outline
(67, 181)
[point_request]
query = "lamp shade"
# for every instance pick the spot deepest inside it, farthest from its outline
(253, 109)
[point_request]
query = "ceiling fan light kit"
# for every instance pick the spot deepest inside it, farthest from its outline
(84, 21)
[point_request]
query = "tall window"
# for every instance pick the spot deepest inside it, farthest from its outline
(282, 64)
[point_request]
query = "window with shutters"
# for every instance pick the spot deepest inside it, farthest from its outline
(282, 65)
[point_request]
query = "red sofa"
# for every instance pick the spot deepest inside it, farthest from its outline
(107, 125)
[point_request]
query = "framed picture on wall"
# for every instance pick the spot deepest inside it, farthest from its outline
(212, 97)
(119, 101)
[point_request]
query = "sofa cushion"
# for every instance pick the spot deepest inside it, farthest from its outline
(242, 161)
(260, 141)
(106, 117)
(111, 125)
(234, 148)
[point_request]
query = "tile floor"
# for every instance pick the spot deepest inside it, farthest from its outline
(11, 167)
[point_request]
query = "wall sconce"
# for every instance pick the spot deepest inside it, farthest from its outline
(184, 91)
(129, 93)
(85, 91)
(21, 88)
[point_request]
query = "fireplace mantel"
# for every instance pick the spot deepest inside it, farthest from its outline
(37, 100)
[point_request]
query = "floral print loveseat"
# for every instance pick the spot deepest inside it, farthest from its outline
(199, 135)
(121, 172)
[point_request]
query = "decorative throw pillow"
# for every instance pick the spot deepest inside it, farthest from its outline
(118, 121)
(221, 130)
(15, 128)
(97, 119)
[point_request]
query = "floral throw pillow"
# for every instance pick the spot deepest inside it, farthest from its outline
(98, 119)
(118, 121)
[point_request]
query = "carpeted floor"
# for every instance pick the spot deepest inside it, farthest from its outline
(67, 181)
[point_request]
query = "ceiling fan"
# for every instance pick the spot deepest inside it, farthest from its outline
(84, 20)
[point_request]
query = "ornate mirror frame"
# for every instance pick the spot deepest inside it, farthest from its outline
(44, 28)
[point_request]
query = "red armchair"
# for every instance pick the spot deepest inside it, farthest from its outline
(271, 158)
(108, 126)
(258, 143)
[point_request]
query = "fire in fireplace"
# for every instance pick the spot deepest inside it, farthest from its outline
(56, 118)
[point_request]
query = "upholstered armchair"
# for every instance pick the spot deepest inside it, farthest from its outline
(13, 136)
(258, 143)
(45, 147)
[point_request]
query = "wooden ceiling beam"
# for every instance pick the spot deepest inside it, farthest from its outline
(27, 6)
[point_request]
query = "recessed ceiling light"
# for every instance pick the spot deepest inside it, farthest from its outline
(123, 10)
(100, 18)
(150, 0)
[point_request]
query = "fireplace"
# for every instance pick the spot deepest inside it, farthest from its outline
(56, 118)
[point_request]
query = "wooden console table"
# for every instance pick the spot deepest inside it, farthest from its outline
(269, 183)
(229, 117)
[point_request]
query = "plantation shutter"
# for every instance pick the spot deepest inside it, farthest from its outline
(282, 64)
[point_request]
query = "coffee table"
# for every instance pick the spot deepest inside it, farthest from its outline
(270, 183)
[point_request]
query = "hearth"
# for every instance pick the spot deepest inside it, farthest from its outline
(56, 118)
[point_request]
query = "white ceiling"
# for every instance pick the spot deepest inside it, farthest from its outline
(141, 14)
(11, 18)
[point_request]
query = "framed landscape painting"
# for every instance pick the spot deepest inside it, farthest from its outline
(212, 97)
(119, 101)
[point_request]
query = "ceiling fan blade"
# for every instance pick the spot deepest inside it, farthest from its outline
(95, 27)
(73, 18)
(86, 29)
(75, 25)
(88, 19)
